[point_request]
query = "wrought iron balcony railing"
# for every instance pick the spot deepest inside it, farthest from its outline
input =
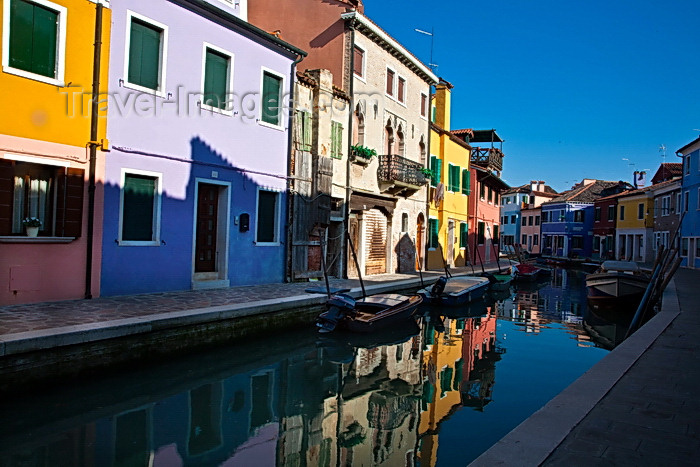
(400, 173)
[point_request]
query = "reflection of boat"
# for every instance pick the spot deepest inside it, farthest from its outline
(456, 291)
(340, 346)
(368, 314)
(617, 283)
(607, 330)
(468, 310)
(526, 272)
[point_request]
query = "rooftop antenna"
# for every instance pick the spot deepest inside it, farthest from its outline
(432, 65)
(662, 150)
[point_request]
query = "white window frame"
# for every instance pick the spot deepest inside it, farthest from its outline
(163, 59)
(362, 78)
(228, 110)
(156, 208)
(687, 165)
(665, 205)
(427, 105)
(278, 210)
(401, 99)
(391, 96)
(59, 78)
(281, 124)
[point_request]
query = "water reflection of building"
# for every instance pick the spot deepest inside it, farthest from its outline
(458, 371)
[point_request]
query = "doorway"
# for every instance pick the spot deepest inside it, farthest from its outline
(210, 235)
(450, 243)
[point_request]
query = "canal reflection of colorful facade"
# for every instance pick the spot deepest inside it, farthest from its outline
(458, 371)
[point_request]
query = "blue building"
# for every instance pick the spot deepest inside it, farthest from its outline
(567, 221)
(690, 203)
(513, 201)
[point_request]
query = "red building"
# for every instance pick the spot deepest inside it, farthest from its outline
(604, 223)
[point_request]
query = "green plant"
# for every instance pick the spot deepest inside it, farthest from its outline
(427, 172)
(363, 151)
(31, 222)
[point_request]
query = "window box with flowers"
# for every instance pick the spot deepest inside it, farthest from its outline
(31, 225)
(362, 155)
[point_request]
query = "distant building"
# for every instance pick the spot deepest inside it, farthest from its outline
(690, 204)
(518, 227)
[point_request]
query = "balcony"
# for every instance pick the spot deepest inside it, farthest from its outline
(488, 158)
(400, 176)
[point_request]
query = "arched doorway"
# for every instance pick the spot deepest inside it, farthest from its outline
(389, 138)
(420, 240)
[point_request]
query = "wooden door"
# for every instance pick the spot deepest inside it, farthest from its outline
(375, 241)
(450, 243)
(353, 231)
(207, 209)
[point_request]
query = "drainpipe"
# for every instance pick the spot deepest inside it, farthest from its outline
(94, 117)
(426, 240)
(290, 180)
(348, 189)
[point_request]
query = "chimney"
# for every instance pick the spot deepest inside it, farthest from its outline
(443, 97)
(533, 185)
(540, 186)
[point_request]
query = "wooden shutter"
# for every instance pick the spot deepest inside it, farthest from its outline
(375, 241)
(271, 97)
(144, 55)
(402, 89)
(466, 182)
(433, 169)
(69, 206)
(336, 140)
(438, 170)
(6, 189)
(215, 79)
(463, 234)
(33, 38)
(433, 233)
(138, 209)
(390, 82)
(359, 61)
(306, 123)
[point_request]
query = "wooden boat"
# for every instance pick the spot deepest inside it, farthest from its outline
(368, 314)
(527, 272)
(617, 283)
(455, 291)
(502, 281)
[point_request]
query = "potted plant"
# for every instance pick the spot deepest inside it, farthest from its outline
(32, 225)
(362, 154)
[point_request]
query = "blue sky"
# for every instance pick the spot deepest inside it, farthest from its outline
(572, 87)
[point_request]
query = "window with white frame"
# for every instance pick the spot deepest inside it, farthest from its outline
(139, 213)
(686, 160)
(271, 95)
(423, 105)
(267, 229)
(34, 40)
(666, 205)
(678, 202)
(217, 78)
(146, 53)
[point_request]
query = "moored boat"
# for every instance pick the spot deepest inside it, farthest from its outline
(368, 314)
(526, 272)
(617, 283)
(455, 291)
(503, 280)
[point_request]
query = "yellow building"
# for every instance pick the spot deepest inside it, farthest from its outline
(46, 129)
(450, 187)
(635, 226)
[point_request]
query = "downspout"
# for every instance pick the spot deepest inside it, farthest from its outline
(290, 178)
(94, 116)
(426, 240)
(348, 189)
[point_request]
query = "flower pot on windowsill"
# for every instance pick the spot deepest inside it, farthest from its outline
(32, 231)
(359, 160)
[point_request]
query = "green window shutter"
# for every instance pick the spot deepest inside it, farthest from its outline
(466, 182)
(33, 38)
(271, 99)
(433, 169)
(438, 170)
(138, 208)
(306, 122)
(267, 211)
(433, 241)
(336, 140)
(463, 228)
(454, 178)
(216, 70)
(144, 54)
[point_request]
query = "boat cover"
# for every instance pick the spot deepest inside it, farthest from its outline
(623, 266)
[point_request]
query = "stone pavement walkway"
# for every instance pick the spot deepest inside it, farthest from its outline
(636, 407)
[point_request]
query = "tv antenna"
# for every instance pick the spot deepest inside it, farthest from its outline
(662, 150)
(432, 65)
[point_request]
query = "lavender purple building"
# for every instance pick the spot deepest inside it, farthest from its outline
(195, 180)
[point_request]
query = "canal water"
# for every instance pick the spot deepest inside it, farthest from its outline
(435, 394)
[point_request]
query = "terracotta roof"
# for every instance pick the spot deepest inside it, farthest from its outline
(464, 131)
(585, 193)
(527, 188)
(667, 170)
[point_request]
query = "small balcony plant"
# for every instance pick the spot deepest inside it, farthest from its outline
(363, 154)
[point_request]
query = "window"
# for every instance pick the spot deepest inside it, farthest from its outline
(490, 195)
(495, 234)
(140, 208)
(271, 99)
(51, 193)
(303, 119)
(596, 215)
(482, 191)
(685, 201)
(267, 215)
(481, 233)
(423, 105)
(463, 228)
(390, 78)
(678, 202)
(545, 216)
(537, 220)
(622, 213)
(698, 199)
(684, 247)
(504, 220)
(640, 211)
(466, 182)
(656, 207)
(436, 168)
(336, 140)
(401, 91)
(523, 240)
(147, 46)
(216, 86)
(579, 216)
(359, 62)
(686, 160)
(404, 222)
(523, 221)
(535, 239)
(453, 177)
(577, 242)
(432, 233)
(34, 42)
(525, 199)
(611, 213)
(529, 220)
(513, 219)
